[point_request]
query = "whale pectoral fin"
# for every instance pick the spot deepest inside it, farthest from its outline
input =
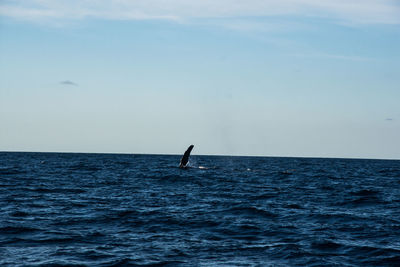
(185, 157)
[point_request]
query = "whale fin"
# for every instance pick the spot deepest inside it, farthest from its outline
(185, 157)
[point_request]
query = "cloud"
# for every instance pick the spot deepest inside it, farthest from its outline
(67, 82)
(346, 11)
(334, 57)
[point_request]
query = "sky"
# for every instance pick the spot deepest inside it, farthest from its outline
(301, 78)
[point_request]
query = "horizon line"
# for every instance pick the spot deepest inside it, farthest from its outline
(213, 155)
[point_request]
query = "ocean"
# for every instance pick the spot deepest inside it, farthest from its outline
(66, 209)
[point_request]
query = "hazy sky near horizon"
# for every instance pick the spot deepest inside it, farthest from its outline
(257, 77)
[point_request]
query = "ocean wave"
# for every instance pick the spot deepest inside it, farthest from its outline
(11, 171)
(15, 230)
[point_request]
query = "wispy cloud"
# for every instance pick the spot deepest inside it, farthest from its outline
(67, 82)
(347, 11)
(334, 57)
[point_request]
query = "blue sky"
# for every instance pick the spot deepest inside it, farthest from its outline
(271, 78)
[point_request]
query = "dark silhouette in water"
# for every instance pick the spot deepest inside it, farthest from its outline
(185, 157)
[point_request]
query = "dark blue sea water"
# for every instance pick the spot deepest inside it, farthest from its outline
(132, 210)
